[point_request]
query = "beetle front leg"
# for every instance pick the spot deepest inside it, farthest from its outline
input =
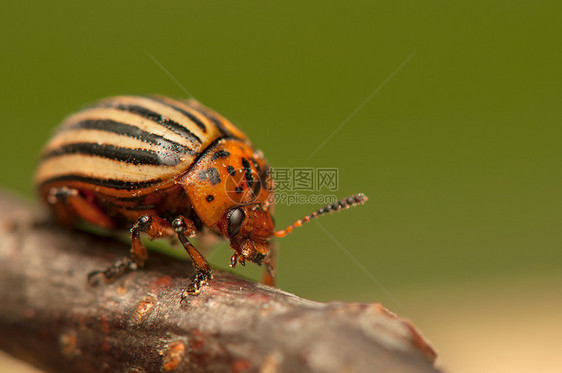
(155, 227)
(203, 272)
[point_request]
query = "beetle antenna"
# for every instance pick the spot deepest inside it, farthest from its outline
(353, 200)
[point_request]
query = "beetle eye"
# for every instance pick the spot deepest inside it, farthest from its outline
(235, 221)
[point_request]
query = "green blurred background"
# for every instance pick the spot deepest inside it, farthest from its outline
(459, 151)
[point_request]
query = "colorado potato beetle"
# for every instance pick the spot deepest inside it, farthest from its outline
(164, 167)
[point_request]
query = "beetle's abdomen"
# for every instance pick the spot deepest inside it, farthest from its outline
(130, 145)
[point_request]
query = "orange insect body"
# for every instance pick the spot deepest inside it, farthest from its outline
(164, 167)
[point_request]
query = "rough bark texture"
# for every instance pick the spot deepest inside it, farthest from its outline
(52, 318)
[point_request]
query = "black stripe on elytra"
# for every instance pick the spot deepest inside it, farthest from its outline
(248, 173)
(231, 170)
(189, 115)
(107, 183)
(157, 118)
(211, 147)
(205, 112)
(220, 154)
(214, 176)
(126, 155)
(108, 125)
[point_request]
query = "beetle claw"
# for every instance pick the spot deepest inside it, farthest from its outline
(270, 269)
(233, 260)
(94, 278)
(121, 266)
(197, 281)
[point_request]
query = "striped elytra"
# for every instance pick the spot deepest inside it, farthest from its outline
(129, 143)
(163, 167)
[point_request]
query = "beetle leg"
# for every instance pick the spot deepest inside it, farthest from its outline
(203, 273)
(155, 227)
(63, 197)
(233, 260)
(270, 262)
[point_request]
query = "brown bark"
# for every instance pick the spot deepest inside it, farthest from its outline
(52, 318)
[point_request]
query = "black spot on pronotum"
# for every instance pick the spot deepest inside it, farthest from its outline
(210, 198)
(231, 170)
(238, 189)
(212, 174)
(248, 173)
(220, 154)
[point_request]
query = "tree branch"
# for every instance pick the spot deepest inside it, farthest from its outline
(52, 318)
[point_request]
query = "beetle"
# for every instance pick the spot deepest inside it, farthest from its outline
(166, 168)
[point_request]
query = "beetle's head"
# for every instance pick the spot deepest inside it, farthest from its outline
(249, 228)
